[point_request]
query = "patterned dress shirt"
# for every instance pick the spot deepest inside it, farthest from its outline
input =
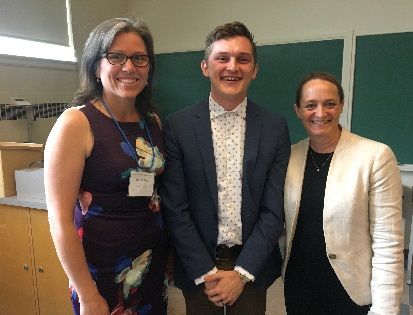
(228, 135)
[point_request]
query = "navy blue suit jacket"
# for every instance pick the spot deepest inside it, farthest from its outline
(190, 197)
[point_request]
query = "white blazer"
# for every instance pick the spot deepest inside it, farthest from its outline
(362, 219)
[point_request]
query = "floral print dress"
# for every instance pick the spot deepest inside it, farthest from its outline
(123, 237)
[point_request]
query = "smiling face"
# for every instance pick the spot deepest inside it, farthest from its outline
(319, 109)
(123, 82)
(230, 68)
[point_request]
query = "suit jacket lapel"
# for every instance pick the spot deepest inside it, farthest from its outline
(202, 126)
(252, 137)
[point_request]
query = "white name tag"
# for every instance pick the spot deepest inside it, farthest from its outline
(141, 184)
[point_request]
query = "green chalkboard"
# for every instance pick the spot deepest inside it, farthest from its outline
(179, 81)
(281, 68)
(383, 89)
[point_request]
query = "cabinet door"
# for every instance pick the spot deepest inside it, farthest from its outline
(52, 283)
(17, 289)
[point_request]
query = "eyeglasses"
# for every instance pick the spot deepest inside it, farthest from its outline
(116, 58)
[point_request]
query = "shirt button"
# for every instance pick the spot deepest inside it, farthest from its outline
(332, 256)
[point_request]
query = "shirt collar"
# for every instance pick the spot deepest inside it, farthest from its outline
(216, 110)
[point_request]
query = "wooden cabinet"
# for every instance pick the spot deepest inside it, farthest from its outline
(32, 280)
(17, 289)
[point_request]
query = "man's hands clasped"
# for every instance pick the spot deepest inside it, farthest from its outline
(223, 287)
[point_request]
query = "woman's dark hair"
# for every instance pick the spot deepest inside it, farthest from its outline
(98, 43)
(320, 76)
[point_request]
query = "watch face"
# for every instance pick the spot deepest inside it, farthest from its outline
(244, 278)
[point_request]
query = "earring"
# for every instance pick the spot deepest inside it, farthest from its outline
(98, 80)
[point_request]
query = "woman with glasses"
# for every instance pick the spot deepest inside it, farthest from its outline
(102, 161)
(344, 250)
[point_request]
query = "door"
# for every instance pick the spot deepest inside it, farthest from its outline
(52, 283)
(17, 289)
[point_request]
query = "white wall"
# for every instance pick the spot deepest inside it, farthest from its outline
(407, 179)
(182, 25)
(46, 82)
(41, 81)
(14, 130)
(88, 14)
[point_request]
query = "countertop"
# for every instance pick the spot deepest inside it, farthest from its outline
(406, 167)
(28, 203)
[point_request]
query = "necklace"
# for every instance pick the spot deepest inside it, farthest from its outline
(324, 163)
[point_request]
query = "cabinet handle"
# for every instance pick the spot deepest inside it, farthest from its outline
(40, 269)
(26, 267)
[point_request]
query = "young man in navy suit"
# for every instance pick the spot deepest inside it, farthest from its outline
(223, 185)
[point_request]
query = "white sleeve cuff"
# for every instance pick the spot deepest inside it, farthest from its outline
(201, 278)
(244, 272)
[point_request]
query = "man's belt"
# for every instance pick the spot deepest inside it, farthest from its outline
(223, 252)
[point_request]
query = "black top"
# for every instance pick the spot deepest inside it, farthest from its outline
(309, 234)
(311, 285)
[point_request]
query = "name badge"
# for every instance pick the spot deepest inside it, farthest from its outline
(141, 184)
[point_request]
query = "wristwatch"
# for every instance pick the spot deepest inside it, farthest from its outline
(243, 277)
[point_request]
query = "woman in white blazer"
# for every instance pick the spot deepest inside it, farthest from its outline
(344, 242)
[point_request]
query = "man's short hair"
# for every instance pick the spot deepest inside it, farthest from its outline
(227, 31)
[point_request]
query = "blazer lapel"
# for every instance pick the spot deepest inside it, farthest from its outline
(295, 172)
(335, 174)
(202, 126)
(252, 137)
